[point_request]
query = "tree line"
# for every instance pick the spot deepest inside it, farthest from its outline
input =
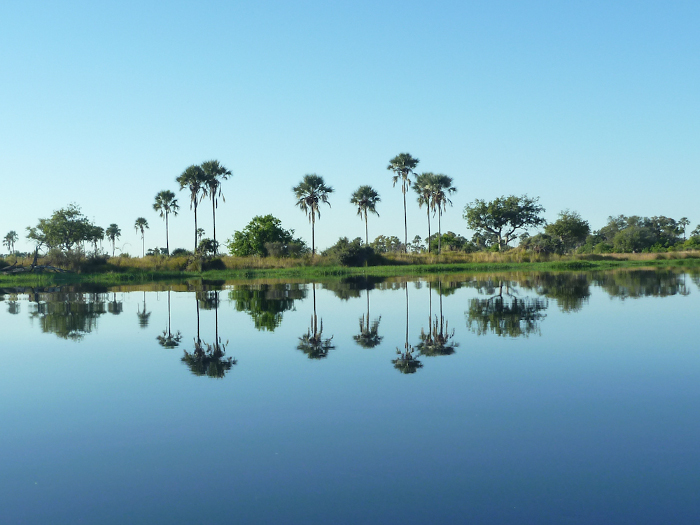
(498, 225)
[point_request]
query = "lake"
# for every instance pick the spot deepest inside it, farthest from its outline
(505, 398)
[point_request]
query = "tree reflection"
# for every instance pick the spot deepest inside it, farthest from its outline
(407, 361)
(143, 316)
(115, 307)
(312, 343)
(13, 306)
(438, 340)
(68, 315)
(167, 339)
(641, 283)
(368, 336)
(266, 303)
(569, 290)
(506, 316)
(208, 359)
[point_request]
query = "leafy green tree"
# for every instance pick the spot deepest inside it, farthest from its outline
(383, 244)
(113, 233)
(450, 241)
(311, 192)
(632, 234)
(142, 225)
(403, 165)
(351, 253)
(261, 231)
(66, 228)
(570, 229)
(165, 204)
(366, 199)
(266, 303)
(194, 179)
(214, 173)
(441, 189)
(503, 217)
(10, 239)
(423, 186)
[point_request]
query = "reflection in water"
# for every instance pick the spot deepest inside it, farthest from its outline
(265, 303)
(438, 340)
(168, 339)
(115, 307)
(407, 362)
(641, 283)
(569, 291)
(68, 315)
(505, 316)
(312, 342)
(13, 306)
(368, 336)
(208, 359)
(143, 316)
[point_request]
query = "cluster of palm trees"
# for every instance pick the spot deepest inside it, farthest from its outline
(203, 180)
(433, 191)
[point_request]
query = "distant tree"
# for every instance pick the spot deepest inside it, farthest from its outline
(66, 228)
(142, 225)
(366, 199)
(423, 186)
(200, 234)
(632, 234)
(194, 179)
(695, 232)
(384, 244)
(261, 232)
(570, 230)
(113, 233)
(683, 224)
(403, 165)
(97, 234)
(165, 204)
(504, 216)
(214, 173)
(10, 239)
(441, 188)
(310, 192)
(417, 244)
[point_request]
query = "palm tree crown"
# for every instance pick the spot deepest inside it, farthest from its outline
(214, 173)
(310, 192)
(194, 179)
(165, 204)
(366, 199)
(403, 165)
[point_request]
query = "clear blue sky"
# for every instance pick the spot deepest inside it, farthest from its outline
(593, 106)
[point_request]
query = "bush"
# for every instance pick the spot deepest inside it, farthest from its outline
(179, 252)
(352, 253)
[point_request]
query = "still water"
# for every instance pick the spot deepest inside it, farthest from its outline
(509, 398)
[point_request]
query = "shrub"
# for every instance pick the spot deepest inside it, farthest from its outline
(352, 253)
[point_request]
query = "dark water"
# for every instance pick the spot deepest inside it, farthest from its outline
(519, 398)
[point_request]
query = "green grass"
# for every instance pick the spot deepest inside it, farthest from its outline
(139, 276)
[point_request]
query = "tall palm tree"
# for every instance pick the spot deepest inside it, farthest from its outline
(215, 173)
(113, 233)
(10, 240)
(366, 199)
(165, 204)
(310, 192)
(423, 186)
(403, 165)
(194, 179)
(442, 187)
(142, 224)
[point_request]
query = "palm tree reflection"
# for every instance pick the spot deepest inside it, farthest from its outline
(143, 316)
(312, 342)
(368, 336)
(208, 359)
(168, 339)
(407, 362)
(438, 340)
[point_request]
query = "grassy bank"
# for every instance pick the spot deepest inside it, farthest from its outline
(151, 269)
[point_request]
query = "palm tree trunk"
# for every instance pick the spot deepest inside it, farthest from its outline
(405, 221)
(439, 232)
(213, 216)
(313, 224)
(428, 210)
(143, 245)
(168, 313)
(315, 318)
(195, 226)
(167, 241)
(366, 230)
(406, 346)
(196, 300)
